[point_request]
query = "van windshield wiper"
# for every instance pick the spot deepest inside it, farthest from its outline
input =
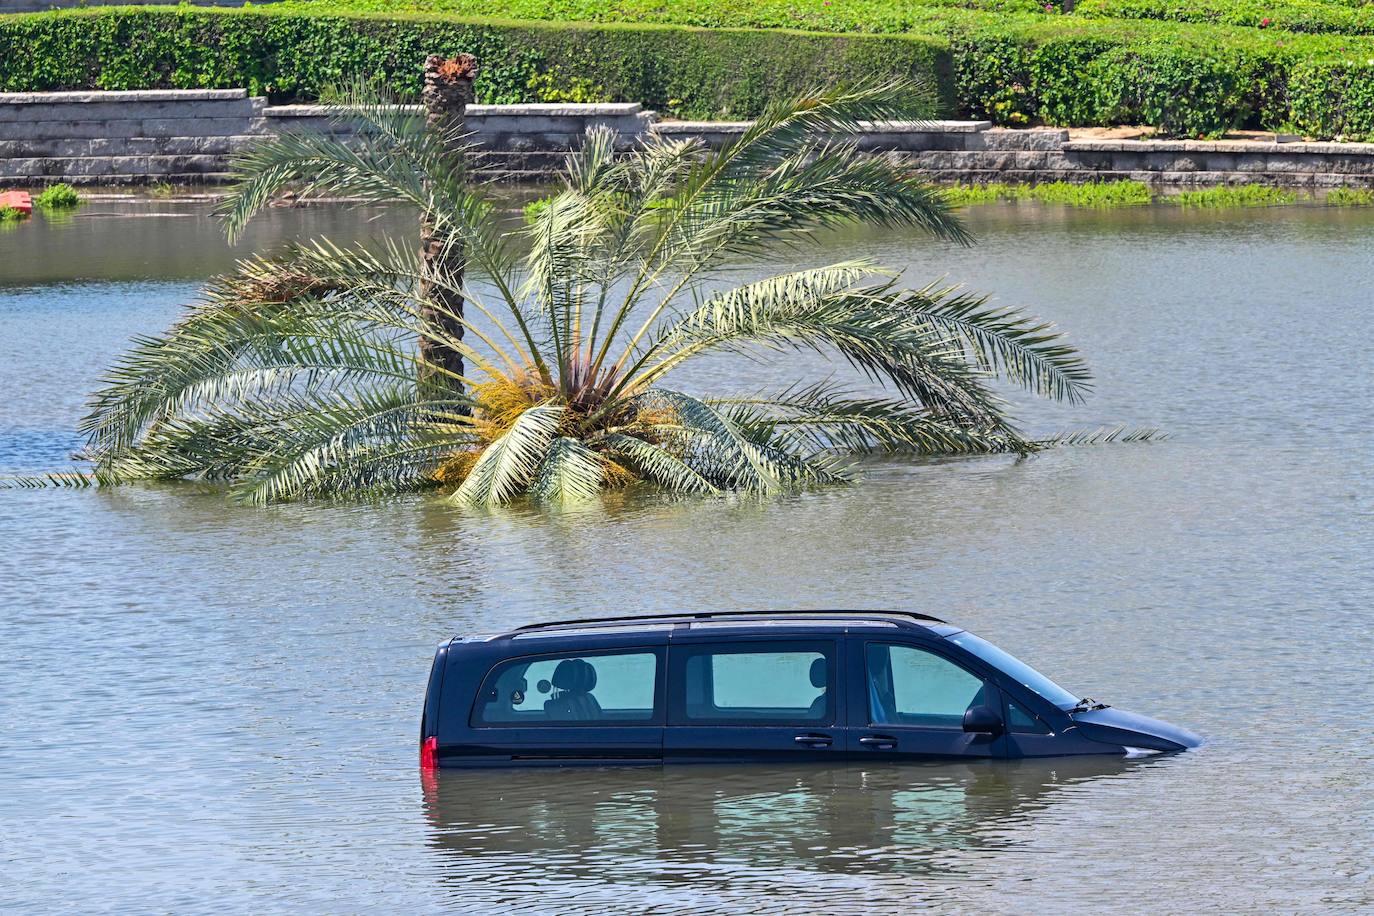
(1088, 703)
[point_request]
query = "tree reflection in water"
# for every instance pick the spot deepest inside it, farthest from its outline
(717, 836)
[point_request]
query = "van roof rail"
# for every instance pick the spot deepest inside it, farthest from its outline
(689, 616)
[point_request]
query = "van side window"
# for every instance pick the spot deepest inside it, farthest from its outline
(1021, 722)
(758, 683)
(910, 686)
(606, 689)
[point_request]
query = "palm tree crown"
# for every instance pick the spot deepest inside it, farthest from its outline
(301, 375)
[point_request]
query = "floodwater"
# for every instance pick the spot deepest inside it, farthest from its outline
(210, 707)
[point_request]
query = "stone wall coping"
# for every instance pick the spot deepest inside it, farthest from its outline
(320, 111)
(1219, 146)
(483, 111)
(874, 127)
(130, 95)
(558, 110)
(1061, 133)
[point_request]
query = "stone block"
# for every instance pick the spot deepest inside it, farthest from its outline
(934, 159)
(1289, 164)
(126, 128)
(1131, 160)
(193, 127)
(1091, 160)
(1251, 162)
(1035, 160)
(1033, 139)
(1220, 162)
(184, 165)
(1362, 165)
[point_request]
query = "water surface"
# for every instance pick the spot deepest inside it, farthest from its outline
(212, 707)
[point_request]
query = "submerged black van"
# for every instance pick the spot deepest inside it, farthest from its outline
(757, 686)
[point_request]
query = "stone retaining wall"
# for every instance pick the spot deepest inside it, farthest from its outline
(179, 136)
(188, 136)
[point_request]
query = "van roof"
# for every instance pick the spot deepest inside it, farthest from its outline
(713, 619)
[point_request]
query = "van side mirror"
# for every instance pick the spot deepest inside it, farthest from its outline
(982, 720)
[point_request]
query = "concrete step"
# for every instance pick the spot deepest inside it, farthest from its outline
(106, 167)
(101, 181)
(67, 147)
(125, 128)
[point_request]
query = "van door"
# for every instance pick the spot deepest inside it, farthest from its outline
(755, 700)
(907, 702)
(589, 708)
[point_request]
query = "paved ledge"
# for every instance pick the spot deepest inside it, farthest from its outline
(693, 128)
(558, 110)
(131, 95)
(1286, 148)
(322, 111)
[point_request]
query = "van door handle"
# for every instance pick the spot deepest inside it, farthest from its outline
(879, 741)
(814, 740)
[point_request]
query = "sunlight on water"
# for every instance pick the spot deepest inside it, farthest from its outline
(207, 706)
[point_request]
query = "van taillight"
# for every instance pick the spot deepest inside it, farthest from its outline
(429, 753)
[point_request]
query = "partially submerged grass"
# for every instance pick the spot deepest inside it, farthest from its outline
(60, 196)
(1100, 194)
(1109, 194)
(1096, 194)
(1245, 195)
(11, 215)
(967, 195)
(532, 209)
(1349, 197)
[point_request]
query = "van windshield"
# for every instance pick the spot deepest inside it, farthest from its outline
(1015, 668)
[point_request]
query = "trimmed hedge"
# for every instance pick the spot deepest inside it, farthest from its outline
(1309, 16)
(695, 73)
(1185, 81)
(846, 16)
(1017, 69)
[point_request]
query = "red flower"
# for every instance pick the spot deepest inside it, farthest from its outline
(1264, 23)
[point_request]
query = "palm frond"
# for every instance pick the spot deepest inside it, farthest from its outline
(658, 464)
(823, 418)
(752, 312)
(324, 439)
(740, 457)
(1005, 341)
(1106, 435)
(507, 465)
(229, 358)
(68, 480)
(571, 472)
(819, 311)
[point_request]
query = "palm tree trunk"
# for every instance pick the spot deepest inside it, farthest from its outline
(446, 96)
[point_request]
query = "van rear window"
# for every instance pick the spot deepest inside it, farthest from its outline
(611, 689)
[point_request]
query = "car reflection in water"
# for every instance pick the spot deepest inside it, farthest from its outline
(514, 832)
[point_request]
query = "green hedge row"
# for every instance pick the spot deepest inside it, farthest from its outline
(1189, 80)
(845, 16)
(1311, 16)
(692, 72)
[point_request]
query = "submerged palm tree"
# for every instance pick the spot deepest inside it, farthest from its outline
(303, 375)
